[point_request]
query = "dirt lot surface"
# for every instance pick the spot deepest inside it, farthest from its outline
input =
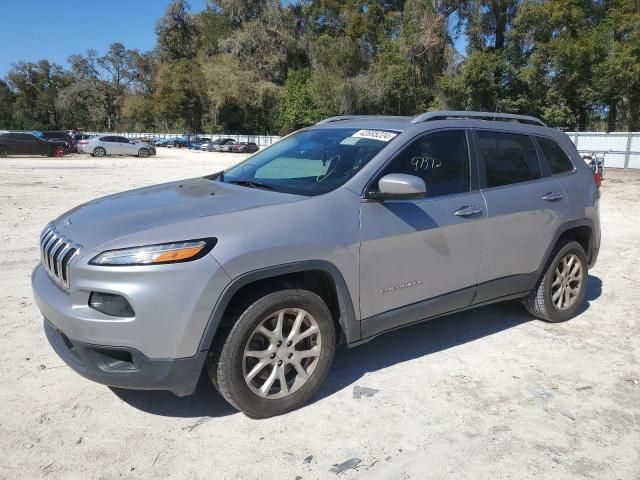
(486, 394)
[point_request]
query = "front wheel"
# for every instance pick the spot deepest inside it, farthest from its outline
(561, 290)
(58, 152)
(143, 153)
(3, 152)
(276, 355)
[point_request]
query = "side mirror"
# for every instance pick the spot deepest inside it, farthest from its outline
(399, 186)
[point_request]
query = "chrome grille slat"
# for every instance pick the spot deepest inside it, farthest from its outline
(54, 250)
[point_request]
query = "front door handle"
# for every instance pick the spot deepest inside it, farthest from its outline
(552, 197)
(467, 211)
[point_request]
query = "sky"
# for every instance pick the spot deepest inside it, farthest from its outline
(55, 29)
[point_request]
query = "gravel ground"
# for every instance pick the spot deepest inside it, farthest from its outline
(486, 394)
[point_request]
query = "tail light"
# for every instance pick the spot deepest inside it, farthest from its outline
(598, 178)
(83, 142)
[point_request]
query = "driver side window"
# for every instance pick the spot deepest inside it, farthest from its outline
(441, 159)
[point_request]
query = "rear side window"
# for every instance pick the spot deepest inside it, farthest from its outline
(558, 160)
(441, 159)
(508, 158)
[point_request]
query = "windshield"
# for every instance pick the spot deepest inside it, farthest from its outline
(310, 162)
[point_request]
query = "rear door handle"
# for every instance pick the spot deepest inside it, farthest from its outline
(552, 197)
(467, 211)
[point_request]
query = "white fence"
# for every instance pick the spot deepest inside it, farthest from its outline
(260, 140)
(620, 149)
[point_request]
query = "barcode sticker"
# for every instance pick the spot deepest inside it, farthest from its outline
(381, 135)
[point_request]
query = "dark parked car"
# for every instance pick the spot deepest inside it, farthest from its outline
(182, 142)
(59, 136)
(161, 142)
(245, 147)
(30, 144)
(197, 142)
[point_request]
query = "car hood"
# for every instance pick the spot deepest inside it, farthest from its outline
(109, 218)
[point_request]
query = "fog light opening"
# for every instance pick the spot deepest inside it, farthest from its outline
(111, 304)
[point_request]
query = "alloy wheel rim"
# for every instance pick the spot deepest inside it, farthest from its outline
(282, 353)
(567, 282)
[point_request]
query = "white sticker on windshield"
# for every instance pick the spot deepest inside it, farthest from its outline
(381, 135)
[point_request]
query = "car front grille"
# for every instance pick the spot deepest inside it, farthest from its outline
(56, 253)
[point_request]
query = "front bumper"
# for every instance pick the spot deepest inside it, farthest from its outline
(158, 348)
(126, 367)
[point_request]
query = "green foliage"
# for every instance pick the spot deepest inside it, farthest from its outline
(297, 109)
(257, 66)
(179, 98)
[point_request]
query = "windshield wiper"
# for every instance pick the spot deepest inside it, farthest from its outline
(252, 184)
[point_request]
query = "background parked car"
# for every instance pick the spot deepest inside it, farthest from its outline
(29, 144)
(80, 136)
(245, 147)
(214, 146)
(226, 147)
(60, 136)
(180, 142)
(161, 142)
(196, 143)
(115, 145)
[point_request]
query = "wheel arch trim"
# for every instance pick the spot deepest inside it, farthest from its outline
(562, 229)
(347, 319)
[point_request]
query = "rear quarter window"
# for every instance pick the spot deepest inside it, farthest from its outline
(556, 157)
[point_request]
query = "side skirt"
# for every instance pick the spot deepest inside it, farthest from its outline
(422, 312)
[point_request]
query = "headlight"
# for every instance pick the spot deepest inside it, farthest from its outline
(156, 254)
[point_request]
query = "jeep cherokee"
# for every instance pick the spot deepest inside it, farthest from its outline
(333, 235)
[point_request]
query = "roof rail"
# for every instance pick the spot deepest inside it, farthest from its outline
(340, 118)
(428, 116)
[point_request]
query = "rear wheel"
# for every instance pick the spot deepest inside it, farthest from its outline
(99, 152)
(3, 152)
(276, 355)
(562, 288)
(143, 153)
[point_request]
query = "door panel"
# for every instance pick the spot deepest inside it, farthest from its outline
(520, 227)
(416, 250)
(524, 210)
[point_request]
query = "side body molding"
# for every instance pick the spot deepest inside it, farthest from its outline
(348, 322)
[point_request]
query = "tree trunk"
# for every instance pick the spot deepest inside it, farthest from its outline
(612, 116)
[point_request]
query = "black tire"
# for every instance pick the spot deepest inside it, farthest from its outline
(99, 152)
(539, 302)
(3, 152)
(225, 361)
(143, 153)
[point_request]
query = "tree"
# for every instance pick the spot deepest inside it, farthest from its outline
(110, 77)
(296, 106)
(179, 97)
(36, 86)
(6, 106)
(177, 32)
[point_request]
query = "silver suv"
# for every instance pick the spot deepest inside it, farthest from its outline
(331, 236)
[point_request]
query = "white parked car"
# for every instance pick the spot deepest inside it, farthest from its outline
(115, 145)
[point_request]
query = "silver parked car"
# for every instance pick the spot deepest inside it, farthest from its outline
(332, 236)
(101, 146)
